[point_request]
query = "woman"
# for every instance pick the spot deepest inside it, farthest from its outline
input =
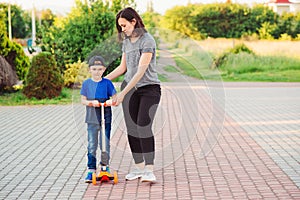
(140, 91)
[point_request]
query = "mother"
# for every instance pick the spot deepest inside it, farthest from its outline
(140, 91)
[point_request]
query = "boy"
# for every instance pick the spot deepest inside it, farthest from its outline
(94, 90)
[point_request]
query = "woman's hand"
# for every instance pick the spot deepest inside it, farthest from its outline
(119, 98)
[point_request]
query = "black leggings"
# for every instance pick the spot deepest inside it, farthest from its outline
(139, 108)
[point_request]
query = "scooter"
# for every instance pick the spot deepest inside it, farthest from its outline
(104, 175)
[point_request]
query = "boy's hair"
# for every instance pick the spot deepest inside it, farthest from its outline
(129, 14)
(97, 60)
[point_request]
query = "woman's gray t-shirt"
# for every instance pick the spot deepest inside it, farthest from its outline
(133, 52)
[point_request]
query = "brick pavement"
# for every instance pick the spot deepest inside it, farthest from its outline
(251, 150)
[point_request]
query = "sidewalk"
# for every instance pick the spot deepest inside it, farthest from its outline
(255, 156)
(213, 141)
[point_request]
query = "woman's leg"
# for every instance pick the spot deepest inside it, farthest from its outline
(149, 100)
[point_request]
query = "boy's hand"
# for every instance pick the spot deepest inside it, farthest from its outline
(94, 103)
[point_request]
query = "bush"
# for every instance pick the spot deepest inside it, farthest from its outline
(15, 56)
(241, 48)
(44, 79)
(75, 74)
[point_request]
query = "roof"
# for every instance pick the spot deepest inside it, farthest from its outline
(279, 1)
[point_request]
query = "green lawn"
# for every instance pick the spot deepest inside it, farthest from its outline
(18, 98)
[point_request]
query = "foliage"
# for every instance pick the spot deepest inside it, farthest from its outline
(44, 79)
(19, 27)
(288, 23)
(241, 48)
(179, 19)
(47, 18)
(259, 15)
(75, 36)
(230, 20)
(117, 5)
(151, 19)
(248, 67)
(265, 31)
(18, 98)
(75, 74)
(110, 50)
(286, 37)
(13, 53)
(221, 20)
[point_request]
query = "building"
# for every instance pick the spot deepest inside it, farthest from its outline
(280, 6)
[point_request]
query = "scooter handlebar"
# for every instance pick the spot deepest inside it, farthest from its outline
(105, 104)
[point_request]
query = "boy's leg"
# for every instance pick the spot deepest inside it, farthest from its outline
(93, 130)
(105, 156)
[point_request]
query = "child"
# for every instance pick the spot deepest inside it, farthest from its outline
(94, 90)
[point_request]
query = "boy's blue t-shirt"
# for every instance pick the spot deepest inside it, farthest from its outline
(100, 91)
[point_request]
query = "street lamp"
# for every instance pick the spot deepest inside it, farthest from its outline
(33, 24)
(9, 22)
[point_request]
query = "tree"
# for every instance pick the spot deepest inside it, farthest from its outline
(221, 19)
(19, 26)
(89, 23)
(179, 18)
(286, 24)
(74, 37)
(47, 17)
(44, 79)
(13, 52)
(259, 15)
(117, 5)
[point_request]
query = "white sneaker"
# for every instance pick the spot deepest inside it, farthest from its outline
(148, 176)
(134, 174)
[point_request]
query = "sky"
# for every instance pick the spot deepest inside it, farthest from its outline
(160, 6)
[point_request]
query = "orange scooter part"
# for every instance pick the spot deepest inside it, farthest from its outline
(104, 176)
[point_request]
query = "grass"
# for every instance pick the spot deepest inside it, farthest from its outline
(18, 98)
(275, 61)
(273, 76)
(170, 68)
(247, 67)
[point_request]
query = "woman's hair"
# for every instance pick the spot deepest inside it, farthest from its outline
(129, 14)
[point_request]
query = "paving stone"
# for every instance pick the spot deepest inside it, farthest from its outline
(255, 156)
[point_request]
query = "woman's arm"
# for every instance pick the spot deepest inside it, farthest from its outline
(121, 69)
(143, 66)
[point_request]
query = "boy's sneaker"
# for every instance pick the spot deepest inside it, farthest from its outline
(148, 176)
(105, 168)
(89, 177)
(134, 174)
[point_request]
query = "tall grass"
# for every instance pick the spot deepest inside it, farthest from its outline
(248, 67)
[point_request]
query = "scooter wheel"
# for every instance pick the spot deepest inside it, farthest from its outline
(115, 177)
(94, 179)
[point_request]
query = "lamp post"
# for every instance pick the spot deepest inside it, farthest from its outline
(33, 24)
(9, 22)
